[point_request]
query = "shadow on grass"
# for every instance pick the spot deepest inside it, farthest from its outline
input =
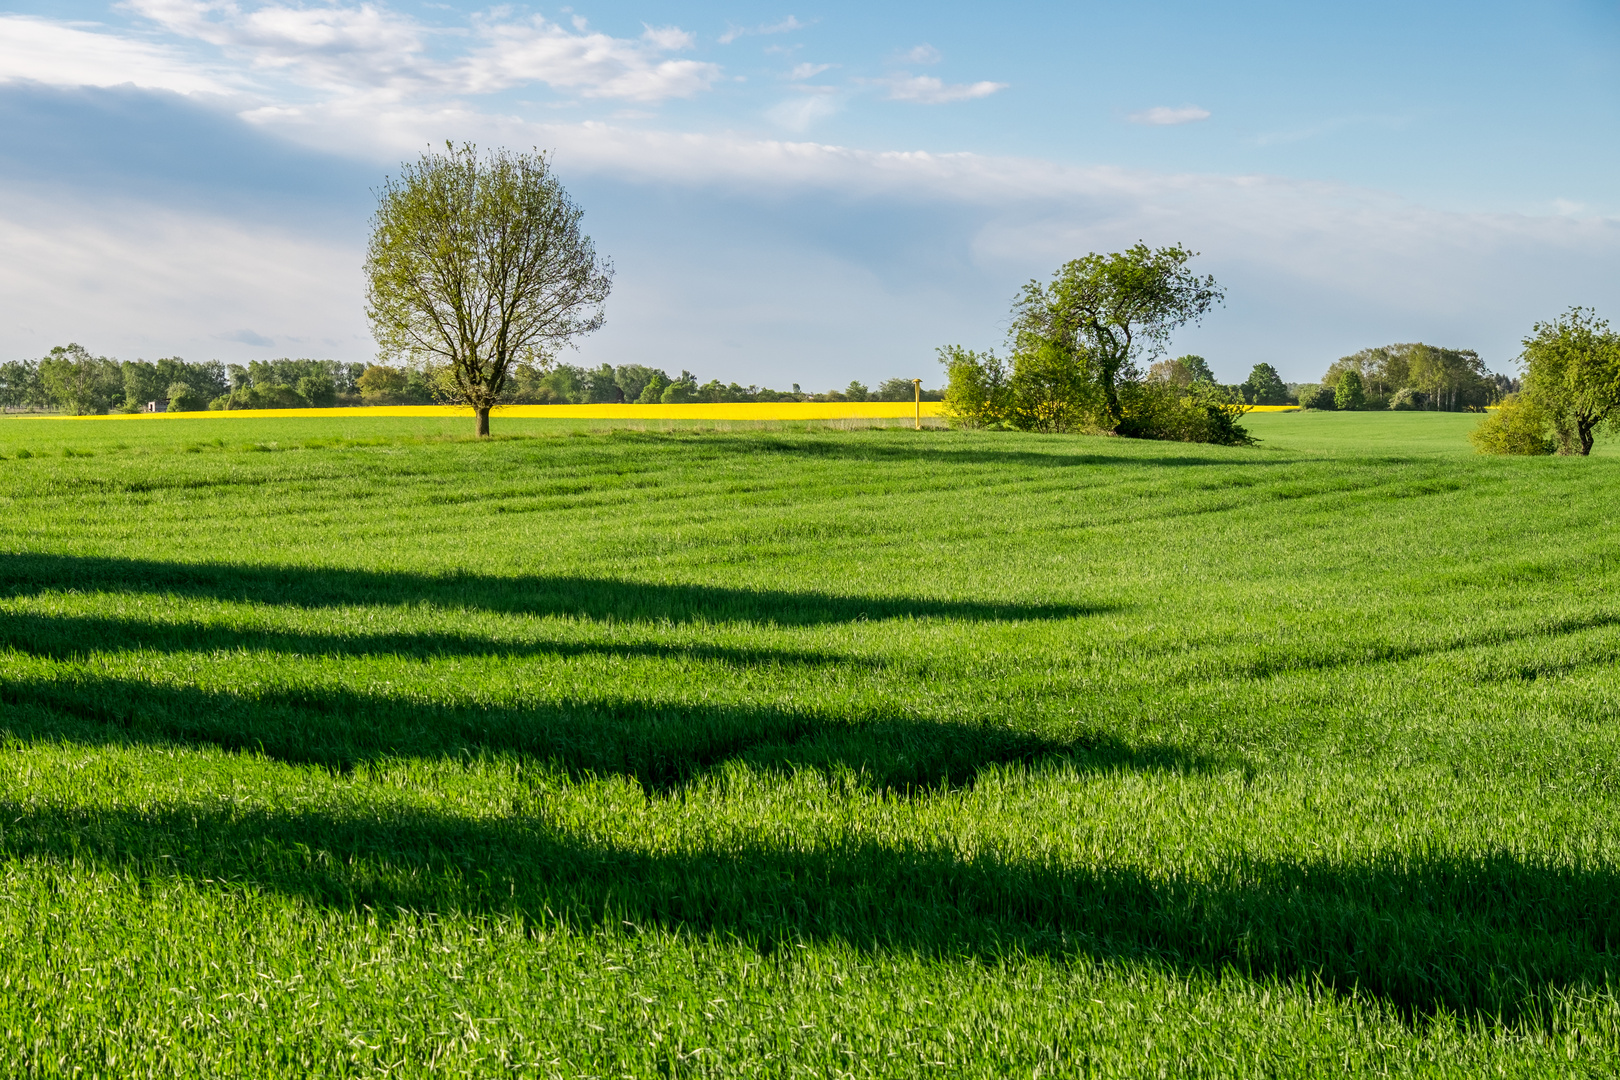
(77, 637)
(589, 598)
(1490, 937)
(661, 745)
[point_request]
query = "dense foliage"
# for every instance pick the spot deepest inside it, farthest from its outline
(1410, 376)
(1572, 375)
(804, 753)
(71, 379)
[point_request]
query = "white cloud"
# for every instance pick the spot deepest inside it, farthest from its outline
(61, 55)
(1164, 116)
(668, 38)
(785, 26)
(593, 64)
(331, 47)
(809, 71)
(921, 54)
(927, 90)
(367, 52)
(137, 280)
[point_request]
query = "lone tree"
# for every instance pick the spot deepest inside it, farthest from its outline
(1572, 374)
(1107, 309)
(1265, 387)
(1350, 395)
(477, 264)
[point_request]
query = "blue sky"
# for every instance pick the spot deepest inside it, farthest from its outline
(815, 194)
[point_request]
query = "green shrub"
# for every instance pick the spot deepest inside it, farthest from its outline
(1051, 390)
(1350, 395)
(1407, 399)
(183, 398)
(1202, 412)
(1314, 396)
(1517, 426)
(978, 393)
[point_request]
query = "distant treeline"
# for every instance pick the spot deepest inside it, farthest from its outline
(1410, 376)
(70, 379)
(568, 384)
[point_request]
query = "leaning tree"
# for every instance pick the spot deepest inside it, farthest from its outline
(1106, 310)
(1572, 373)
(477, 263)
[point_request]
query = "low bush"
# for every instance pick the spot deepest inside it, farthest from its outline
(1517, 426)
(1201, 412)
(1314, 396)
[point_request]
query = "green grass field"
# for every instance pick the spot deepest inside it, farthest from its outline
(357, 748)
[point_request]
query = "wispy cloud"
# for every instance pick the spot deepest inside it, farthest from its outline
(800, 114)
(921, 54)
(49, 52)
(809, 71)
(927, 90)
(1165, 116)
(787, 25)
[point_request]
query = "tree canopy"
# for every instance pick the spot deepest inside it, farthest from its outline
(477, 264)
(1106, 311)
(1572, 374)
(1265, 386)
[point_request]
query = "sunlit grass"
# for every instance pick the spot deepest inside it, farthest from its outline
(353, 748)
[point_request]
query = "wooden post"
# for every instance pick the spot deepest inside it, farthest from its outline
(916, 385)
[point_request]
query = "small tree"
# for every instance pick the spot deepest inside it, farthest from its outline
(76, 382)
(1106, 310)
(1049, 390)
(182, 398)
(477, 264)
(977, 393)
(1349, 395)
(19, 384)
(1572, 373)
(1265, 387)
(380, 384)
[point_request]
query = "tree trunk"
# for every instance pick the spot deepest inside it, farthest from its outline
(1116, 415)
(1584, 428)
(482, 412)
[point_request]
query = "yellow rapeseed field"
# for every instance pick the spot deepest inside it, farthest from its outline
(780, 410)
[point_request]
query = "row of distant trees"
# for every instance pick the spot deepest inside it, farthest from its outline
(568, 384)
(73, 380)
(1409, 376)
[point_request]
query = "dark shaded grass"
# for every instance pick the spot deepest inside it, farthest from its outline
(77, 637)
(589, 598)
(661, 745)
(1485, 937)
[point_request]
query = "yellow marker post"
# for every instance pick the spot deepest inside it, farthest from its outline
(916, 384)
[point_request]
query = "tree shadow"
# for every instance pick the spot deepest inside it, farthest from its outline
(1058, 457)
(1488, 937)
(662, 745)
(76, 637)
(589, 598)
